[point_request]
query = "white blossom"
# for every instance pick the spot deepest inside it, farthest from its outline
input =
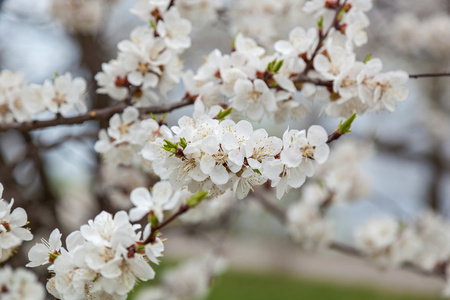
(20, 284)
(163, 197)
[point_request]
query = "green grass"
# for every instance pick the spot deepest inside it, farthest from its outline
(248, 286)
(237, 285)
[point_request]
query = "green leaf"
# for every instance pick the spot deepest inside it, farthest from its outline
(344, 128)
(171, 147)
(152, 219)
(368, 57)
(277, 67)
(320, 23)
(152, 24)
(223, 113)
(196, 198)
(183, 143)
(341, 14)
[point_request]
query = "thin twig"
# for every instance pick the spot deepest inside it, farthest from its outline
(428, 75)
(309, 62)
(154, 230)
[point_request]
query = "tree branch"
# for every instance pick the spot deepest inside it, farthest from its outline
(98, 114)
(280, 215)
(322, 37)
(428, 75)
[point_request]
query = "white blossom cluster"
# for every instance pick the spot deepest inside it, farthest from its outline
(279, 17)
(121, 142)
(189, 281)
(216, 155)
(103, 260)
(12, 233)
(150, 59)
(258, 84)
(21, 102)
(423, 243)
(416, 37)
(387, 242)
(339, 180)
(163, 197)
(20, 284)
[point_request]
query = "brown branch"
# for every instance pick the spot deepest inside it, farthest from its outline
(302, 78)
(98, 114)
(322, 37)
(155, 229)
(428, 75)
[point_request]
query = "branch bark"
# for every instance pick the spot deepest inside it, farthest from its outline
(97, 114)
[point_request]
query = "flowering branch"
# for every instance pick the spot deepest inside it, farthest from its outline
(98, 114)
(322, 37)
(280, 215)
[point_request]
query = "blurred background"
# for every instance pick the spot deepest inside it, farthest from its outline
(55, 172)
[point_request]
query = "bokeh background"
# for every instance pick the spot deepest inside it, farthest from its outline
(408, 166)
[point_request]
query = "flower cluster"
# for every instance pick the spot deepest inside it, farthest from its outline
(422, 243)
(150, 59)
(215, 155)
(279, 17)
(101, 261)
(20, 284)
(387, 242)
(21, 102)
(339, 180)
(320, 65)
(125, 137)
(11, 232)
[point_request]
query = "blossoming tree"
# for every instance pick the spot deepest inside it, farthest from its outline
(197, 167)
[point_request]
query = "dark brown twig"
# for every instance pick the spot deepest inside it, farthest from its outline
(98, 114)
(428, 75)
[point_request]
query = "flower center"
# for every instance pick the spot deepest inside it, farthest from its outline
(308, 151)
(59, 99)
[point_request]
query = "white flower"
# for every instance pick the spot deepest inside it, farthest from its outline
(253, 97)
(20, 284)
(11, 232)
(113, 80)
(174, 30)
(248, 46)
(121, 126)
(377, 235)
(144, 8)
(163, 197)
(41, 254)
(65, 94)
(300, 42)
